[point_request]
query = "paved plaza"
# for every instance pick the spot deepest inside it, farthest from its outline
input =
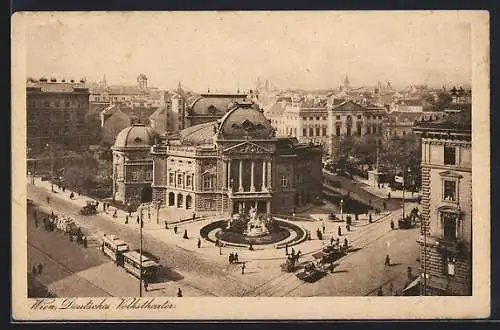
(206, 271)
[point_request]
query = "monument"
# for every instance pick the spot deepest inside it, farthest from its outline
(255, 225)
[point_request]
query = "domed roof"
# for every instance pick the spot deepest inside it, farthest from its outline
(245, 120)
(213, 105)
(198, 134)
(135, 136)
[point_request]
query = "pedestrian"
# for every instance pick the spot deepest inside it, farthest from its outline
(389, 195)
(194, 216)
(115, 213)
(185, 234)
(85, 241)
(370, 218)
(346, 243)
(33, 271)
(39, 269)
(71, 195)
(331, 240)
(48, 200)
(392, 225)
(96, 204)
(286, 249)
(293, 252)
(166, 225)
(236, 257)
(64, 188)
(410, 275)
(126, 218)
(243, 269)
(391, 288)
(348, 227)
(387, 260)
(339, 231)
(199, 243)
(298, 254)
(137, 219)
(380, 292)
(356, 216)
(324, 228)
(145, 286)
(332, 267)
(230, 258)
(179, 292)
(175, 229)
(338, 241)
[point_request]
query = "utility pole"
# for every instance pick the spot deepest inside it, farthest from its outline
(51, 166)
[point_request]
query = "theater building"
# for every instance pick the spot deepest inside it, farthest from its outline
(132, 164)
(230, 164)
(446, 241)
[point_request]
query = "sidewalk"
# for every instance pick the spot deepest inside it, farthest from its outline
(384, 190)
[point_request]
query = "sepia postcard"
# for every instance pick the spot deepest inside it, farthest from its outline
(289, 165)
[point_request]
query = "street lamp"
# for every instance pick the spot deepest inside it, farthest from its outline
(140, 256)
(51, 166)
(404, 181)
(341, 210)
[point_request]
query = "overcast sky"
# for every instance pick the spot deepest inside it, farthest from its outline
(221, 50)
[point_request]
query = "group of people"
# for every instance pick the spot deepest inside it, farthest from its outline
(233, 258)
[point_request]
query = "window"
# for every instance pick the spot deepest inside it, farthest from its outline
(56, 104)
(188, 180)
(348, 133)
(324, 118)
(284, 181)
(450, 190)
(66, 104)
(449, 155)
(337, 117)
(304, 132)
(337, 130)
(134, 176)
(171, 179)
(311, 118)
(359, 130)
(450, 266)
(207, 182)
(317, 118)
(311, 131)
(318, 131)
(179, 179)
(358, 116)
(450, 226)
(149, 176)
(46, 104)
(368, 131)
(324, 131)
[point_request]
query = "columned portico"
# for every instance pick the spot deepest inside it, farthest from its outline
(252, 175)
(240, 176)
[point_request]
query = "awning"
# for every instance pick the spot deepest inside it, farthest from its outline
(411, 286)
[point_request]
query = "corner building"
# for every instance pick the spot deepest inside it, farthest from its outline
(446, 241)
(231, 164)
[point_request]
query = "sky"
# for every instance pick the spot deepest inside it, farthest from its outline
(224, 51)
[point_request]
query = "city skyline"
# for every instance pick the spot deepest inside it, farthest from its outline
(313, 50)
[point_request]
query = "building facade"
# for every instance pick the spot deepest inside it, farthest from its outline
(446, 241)
(228, 165)
(402, 123)
(133, 164)
(56, 114)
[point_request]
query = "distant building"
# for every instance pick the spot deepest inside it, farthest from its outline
(446, 241)
(231, 164)
(132, 164)
(117, 117)
(402, 123)
(352, 119)
(56, 114)
(407, 105)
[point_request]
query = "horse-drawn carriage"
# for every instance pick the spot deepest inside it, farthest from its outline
(331, 253)
(89, 209)
(312, 271)
(288, 266)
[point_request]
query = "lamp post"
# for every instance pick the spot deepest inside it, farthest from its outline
(404, 181)
(341, 210)
(140, 256)
(51, 166)
(158, 203)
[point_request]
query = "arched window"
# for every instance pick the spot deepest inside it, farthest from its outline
(189, 202)
(180, 200)
(171, 199)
